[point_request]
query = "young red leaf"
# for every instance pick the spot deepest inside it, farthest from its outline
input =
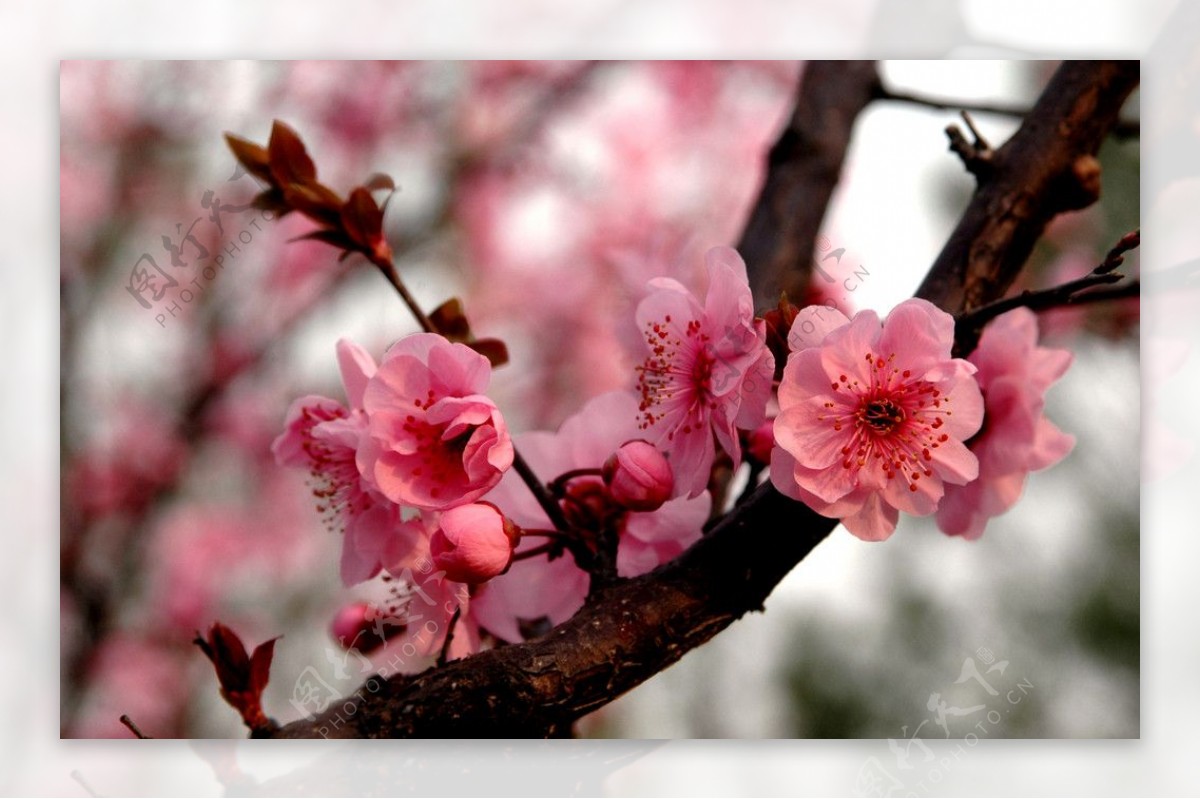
(334, 238)
(493, 349)
(242, 678)
(289, 160)
(250, 155)
(380, 181)
(450, 320)
(362, 219)
(260, 665)
(271, 200)
(315, 201)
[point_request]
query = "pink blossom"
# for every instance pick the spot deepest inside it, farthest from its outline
(708, 370)
(1014, 373)
(351, 627)
(638, 477)
(873, 417)
(473, 543)
(538, 593)
(435, 440)
(324, 437)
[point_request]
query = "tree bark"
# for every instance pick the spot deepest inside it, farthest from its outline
(803, 168)
(1048, 166)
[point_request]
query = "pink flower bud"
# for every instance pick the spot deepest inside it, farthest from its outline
(355, 627)
(474, 543)
(760, 441)
(638, 476)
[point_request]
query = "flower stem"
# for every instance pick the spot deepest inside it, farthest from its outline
(389, 271)
(441, 661)
(541, 549)
(543, 497)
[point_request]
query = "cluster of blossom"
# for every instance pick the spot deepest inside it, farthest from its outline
(496, 148)
(875, 417)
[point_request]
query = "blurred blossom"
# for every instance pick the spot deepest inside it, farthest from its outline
(121, 471)
(132, 675)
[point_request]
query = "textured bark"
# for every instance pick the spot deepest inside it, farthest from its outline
(802, 170)
(1048, 166)
(634, 629)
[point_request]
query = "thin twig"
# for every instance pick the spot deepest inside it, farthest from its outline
(976, 155)
(547, 503)
(1124, 291)
(558, 484)
(445, 653)
(137, 733)
(968, 325)
(1124, 129)
(389, 270)
(540, 549)
(1116, 256)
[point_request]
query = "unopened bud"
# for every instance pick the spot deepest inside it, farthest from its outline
(760, 441)
(354, 627)
(474, 543)
(638, 476)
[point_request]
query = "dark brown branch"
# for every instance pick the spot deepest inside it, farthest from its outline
(802, 170)
(1048, 166)
(626, 633)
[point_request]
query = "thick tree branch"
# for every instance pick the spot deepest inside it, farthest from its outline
(1048, 166)
(625, 634)
(633, 629)
(802, 170)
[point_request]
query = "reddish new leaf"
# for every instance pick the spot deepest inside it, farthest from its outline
(493, 349)
(242, 677)
(252, 156)
(260, 665)
(362, 219)
(334, 238)
(380, 181)
(288, 159)
(315, 201)
(779, 325)
(451, 321)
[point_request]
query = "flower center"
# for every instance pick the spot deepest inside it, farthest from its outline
(882, 416)
(676, 378)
